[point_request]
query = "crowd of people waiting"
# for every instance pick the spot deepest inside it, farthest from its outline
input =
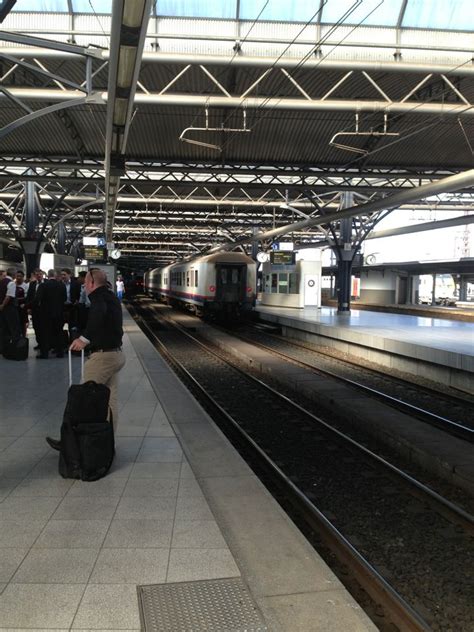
(51, 300)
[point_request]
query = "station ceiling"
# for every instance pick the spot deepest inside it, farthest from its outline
(238, 124)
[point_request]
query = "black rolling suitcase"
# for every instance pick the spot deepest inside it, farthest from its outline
(16, 350)
(87, 437)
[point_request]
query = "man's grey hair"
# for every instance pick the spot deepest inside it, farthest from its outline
(52, 274)
(11, 272)
(99, 276)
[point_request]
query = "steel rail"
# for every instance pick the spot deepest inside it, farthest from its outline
(447, 425)
(371, 580)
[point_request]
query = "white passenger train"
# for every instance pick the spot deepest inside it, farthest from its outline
(223, 284)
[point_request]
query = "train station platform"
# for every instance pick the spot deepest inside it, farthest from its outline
(180, 511)
(435, 349)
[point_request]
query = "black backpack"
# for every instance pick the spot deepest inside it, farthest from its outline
(16, 349)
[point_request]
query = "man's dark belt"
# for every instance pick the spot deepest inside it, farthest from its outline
(103, 349)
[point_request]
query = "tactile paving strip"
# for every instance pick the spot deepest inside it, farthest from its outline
(215, 605)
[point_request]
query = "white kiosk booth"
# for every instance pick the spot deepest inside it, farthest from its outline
(292, 279)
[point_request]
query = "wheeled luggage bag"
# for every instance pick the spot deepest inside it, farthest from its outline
(87, 435)
(16, 349)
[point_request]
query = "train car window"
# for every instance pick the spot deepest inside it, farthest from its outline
(196, 278)
(293, 287)
(159, 279)
(283, 283)
(274, 283)
(235, 276)
(223, 276)
(187, 278)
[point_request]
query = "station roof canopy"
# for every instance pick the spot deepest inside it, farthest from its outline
(208, 118)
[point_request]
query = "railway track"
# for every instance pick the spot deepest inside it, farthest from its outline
(397, 393)
(409, 548)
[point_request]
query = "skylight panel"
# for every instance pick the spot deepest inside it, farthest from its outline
(197, 8)
(439, 14)
(287, 11)
(42, 6)
(98, 6)
(366, 13)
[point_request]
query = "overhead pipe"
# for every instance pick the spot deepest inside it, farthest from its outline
(260, 103)
(246, 61)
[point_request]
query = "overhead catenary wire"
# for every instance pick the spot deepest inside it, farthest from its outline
(417, 129)
(100, 23)
(236, 52)
(308, 56)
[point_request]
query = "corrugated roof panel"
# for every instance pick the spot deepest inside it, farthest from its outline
(89, 121)
(37, 21)
(292, 138)
(43, 136)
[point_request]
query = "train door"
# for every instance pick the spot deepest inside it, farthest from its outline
(230, 283)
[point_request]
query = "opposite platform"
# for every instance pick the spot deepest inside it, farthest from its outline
(179, 505)
(436, 349)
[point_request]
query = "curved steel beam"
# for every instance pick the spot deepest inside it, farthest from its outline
(77, 210)
(446, 185)
(93, 98)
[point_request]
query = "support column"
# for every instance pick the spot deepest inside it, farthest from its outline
(254, 245)
(32, 251)
(31, 210)
(345, 256)
(433, 291)
(31, 243)
(61, 247)
(462, 288)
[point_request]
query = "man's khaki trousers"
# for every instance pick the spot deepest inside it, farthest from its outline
(102, 367)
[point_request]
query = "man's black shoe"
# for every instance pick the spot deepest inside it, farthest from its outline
(53, 443)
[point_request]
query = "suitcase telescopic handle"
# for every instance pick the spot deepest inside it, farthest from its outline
(70, 366)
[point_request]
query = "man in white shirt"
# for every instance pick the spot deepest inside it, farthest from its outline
(4, 328)
(120, 285)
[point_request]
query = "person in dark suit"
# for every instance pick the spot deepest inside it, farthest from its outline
(32, 304)
(73, 292)
(51, 298)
